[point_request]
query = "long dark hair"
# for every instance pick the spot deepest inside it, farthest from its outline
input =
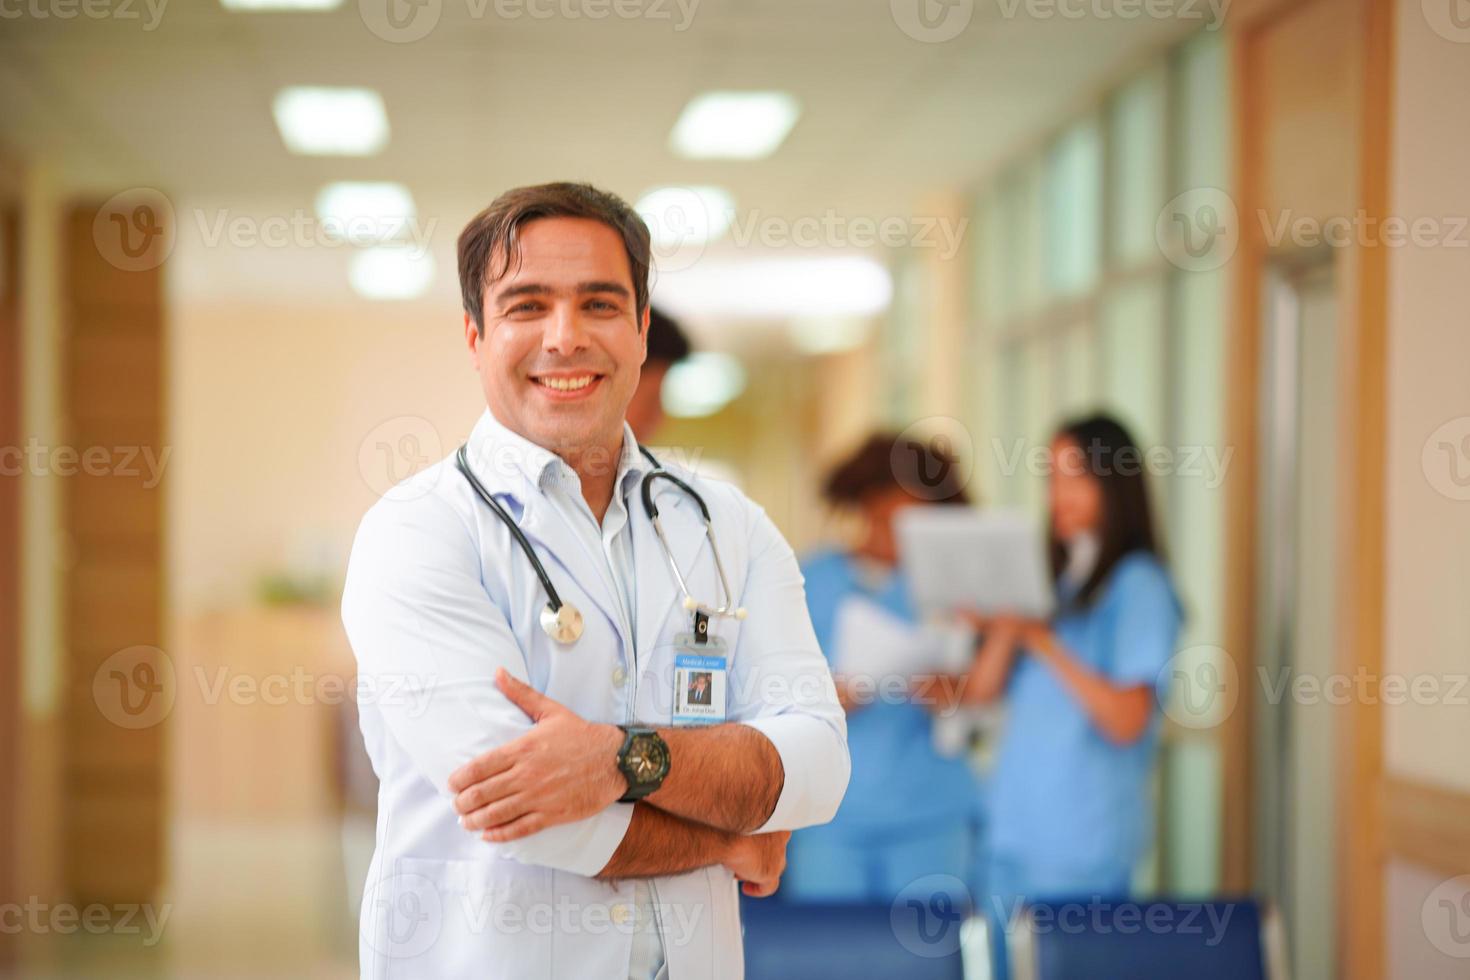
(1113, 459)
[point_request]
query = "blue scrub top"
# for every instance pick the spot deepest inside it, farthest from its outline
(899, 783)
(1062, 798)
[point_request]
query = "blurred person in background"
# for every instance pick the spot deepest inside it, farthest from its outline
(667, 346)
(1068, 799)
(910, 809)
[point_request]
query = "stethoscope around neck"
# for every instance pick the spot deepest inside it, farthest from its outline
(561, 620)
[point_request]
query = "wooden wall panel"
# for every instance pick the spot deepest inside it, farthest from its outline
(113, 368)
(10, 436)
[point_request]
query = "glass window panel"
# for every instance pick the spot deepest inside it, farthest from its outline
(1073, 210)
(1133, 357)
(1077, 369)
(1137, 180)
(1025, 239)
(1201, 121)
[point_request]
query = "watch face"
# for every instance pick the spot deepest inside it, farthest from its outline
(647, 758)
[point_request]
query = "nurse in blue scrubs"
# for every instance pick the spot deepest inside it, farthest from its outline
(1069, 803)
(910, 810)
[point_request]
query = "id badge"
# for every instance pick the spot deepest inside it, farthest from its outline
(699, 681)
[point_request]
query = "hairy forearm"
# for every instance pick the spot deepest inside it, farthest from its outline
(659, 843)
(726, 776)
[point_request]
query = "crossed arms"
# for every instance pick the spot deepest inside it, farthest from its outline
(539, 782)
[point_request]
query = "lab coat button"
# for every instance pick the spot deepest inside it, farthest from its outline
(618, 676)
(622, 914)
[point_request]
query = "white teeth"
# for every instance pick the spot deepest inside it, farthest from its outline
(567, 384)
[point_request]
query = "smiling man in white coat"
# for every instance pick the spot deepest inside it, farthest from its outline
(552, 804)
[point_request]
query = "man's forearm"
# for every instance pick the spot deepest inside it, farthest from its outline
(659, 843)
(727, 776)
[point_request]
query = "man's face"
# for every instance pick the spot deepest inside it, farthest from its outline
(562, 341)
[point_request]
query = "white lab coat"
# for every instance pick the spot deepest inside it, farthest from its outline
(438, 595)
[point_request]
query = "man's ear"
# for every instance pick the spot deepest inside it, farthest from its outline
(643, 332)
(472, 338)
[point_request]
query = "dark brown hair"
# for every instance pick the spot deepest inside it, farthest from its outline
(1114, 460)
(927, 471)
(491, 236)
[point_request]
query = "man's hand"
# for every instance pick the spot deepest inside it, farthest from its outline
(758, 860)
(563, 769)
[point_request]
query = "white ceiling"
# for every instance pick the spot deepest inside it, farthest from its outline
(487, 102)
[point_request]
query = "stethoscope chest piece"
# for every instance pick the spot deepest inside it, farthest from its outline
(563, 625)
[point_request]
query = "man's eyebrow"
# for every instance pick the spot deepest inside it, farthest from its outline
(523, 289)
(603, 286)
(541, 289)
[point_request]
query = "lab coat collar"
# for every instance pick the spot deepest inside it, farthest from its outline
(518, 472)
(505, 461)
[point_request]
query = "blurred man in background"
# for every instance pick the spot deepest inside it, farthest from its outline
(667, 346)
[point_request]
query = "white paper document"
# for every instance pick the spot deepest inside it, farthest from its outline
(959, 558)
(874, 642)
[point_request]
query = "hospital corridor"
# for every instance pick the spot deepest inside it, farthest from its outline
(694, 489)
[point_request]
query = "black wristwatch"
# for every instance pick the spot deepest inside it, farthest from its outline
(644, 762)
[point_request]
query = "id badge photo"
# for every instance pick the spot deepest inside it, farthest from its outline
(699, 681)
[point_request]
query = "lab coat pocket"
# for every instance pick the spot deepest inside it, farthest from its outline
(452, 919)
